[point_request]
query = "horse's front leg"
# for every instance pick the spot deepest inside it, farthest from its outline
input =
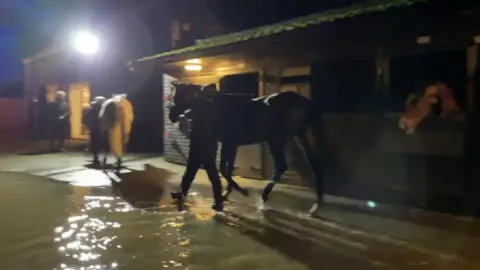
(119, 164)
(277, 149)
(105, 160)
(227, 161)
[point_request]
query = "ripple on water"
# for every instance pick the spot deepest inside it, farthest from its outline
(62, 227)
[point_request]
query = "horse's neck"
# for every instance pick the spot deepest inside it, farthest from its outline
(207, 94)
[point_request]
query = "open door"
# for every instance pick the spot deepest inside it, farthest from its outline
(79, 99)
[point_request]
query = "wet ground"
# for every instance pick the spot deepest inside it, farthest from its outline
(78, 218)
(55, 226)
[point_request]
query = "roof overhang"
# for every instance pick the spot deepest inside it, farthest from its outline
(41, 55)
(225, 43)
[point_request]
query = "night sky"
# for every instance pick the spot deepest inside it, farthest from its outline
(135, 28)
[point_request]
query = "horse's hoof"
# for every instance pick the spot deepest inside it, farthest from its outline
(264, 197)
(245, 192)
(226, 194)
(176, 195)
(315, 209)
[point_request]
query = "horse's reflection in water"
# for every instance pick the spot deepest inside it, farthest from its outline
(145, 189)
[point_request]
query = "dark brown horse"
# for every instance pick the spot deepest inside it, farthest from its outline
(275, 119)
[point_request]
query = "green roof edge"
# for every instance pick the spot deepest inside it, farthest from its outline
(289, 25)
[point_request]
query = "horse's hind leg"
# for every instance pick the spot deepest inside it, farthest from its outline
(227, 161)
(309, 143)
(277, 149)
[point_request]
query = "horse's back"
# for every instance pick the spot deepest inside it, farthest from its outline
(241, 119)
(286, 100)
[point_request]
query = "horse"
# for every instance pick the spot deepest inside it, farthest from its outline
(275, 119)
(116, 117)
(419, 106)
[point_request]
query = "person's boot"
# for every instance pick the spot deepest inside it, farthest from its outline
(218, 206)
(61, 146)
(96, 162)
(179, 199)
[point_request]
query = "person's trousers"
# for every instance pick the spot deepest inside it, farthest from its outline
(98, 143)
(195, 160)
(57, 134)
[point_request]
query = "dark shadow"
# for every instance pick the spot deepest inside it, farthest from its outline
(148, 188)
(37, 153)
(98, 166)
(302, 249)
(112, 165)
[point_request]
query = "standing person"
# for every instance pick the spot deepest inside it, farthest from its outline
(91, 119)
(59, 114)
(203, 147)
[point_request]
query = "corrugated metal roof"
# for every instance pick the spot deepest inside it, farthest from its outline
(289, 25)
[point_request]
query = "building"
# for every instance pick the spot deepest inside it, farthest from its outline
(357, 64)
(51, 70)
(84, 79)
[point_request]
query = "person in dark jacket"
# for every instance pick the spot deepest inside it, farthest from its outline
(203, 147)
(98, 140)
(59, 116)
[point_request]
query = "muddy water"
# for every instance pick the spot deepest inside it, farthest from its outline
(47, 225)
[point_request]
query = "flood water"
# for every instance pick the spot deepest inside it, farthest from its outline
(49, 225)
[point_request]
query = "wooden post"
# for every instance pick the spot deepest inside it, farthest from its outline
(472, 129)
(472, 55)
(379, 71)
(382, 76)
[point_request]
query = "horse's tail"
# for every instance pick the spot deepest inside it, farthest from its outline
(313, 143)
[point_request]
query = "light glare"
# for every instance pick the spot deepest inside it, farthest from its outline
(193, 67)
(194, 61)
(86, 43)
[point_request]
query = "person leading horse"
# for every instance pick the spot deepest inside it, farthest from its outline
(276, 119)
(203, 143)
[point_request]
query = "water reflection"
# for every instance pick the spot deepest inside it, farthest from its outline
(83, 237)
(79, 227)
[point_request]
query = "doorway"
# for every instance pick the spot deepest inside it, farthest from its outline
(79, 97)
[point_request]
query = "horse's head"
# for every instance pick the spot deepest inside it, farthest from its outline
(183, 97)
(60, 95)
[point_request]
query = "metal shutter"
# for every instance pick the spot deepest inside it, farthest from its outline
(171, 131)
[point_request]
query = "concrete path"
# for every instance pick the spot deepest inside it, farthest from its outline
(445, 239)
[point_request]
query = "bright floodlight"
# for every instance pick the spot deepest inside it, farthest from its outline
(86, 43)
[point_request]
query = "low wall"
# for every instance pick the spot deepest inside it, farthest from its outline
(369, 157)
(13, 116)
